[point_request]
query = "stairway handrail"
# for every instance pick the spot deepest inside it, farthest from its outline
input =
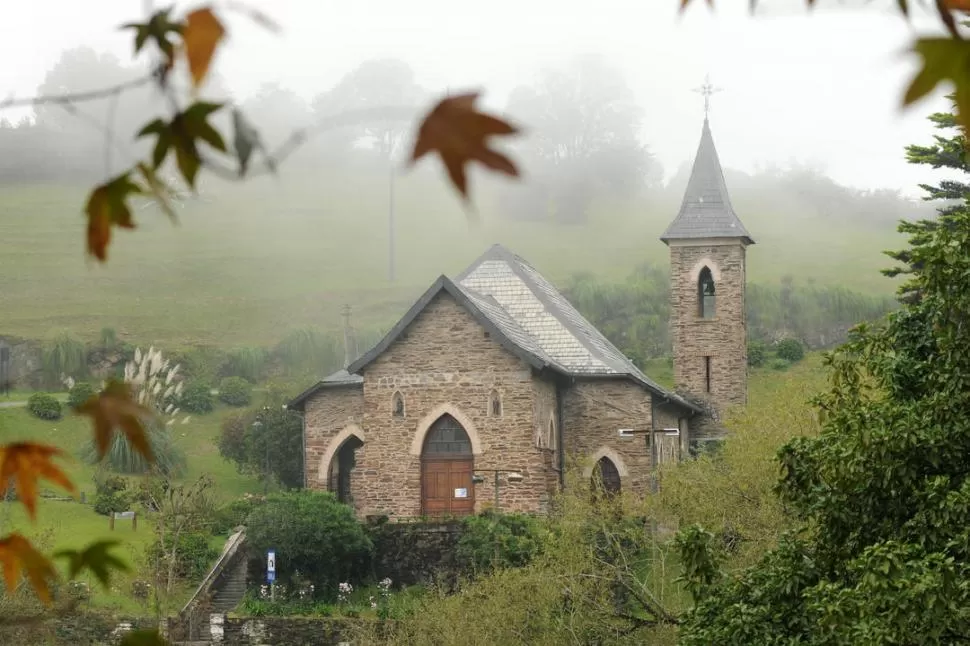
(228, 551)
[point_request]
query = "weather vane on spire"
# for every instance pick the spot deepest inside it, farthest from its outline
(707, 90)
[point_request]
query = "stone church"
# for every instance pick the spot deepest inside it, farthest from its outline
(493, 384)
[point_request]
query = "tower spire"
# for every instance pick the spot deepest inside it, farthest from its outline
(707, 89)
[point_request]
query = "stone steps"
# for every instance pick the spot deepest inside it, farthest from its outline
(231, 589)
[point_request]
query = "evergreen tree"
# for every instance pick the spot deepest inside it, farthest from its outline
(948, 152)
(883, 556)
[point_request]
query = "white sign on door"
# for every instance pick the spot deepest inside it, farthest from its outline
(461, 493)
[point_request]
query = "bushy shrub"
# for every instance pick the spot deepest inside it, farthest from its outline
(322, 541)
(791, 350)
(44, 406)
(80, 393)
(170, 458)
(235, 391)
(496, 540)
(193, 554)
(111, 495)
(232, 437)
(779, 364)
(196, 398)
(757, 353)
(233, 514)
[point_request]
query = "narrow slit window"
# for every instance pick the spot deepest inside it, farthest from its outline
(494, 404)
(705, 294)
(707, 374)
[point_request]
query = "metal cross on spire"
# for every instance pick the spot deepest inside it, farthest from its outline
(707, 90)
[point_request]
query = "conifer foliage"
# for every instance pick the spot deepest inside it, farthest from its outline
(884, 490)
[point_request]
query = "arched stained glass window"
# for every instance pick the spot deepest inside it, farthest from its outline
(447, 437)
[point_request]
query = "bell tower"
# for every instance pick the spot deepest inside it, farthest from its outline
(708, 246)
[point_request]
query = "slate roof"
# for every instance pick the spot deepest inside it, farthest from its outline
(527, 315)
(339, 379)
(706, 211)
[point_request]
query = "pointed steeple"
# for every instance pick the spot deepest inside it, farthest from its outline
(706, 211)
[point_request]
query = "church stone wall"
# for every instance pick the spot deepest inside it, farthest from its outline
(445, 358)
(594, 411)
(723, 338)
(546, 412)
(327, 414)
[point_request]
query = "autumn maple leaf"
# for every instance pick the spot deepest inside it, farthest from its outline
(18, 556)
(112, 409)
(201, 35)
(459, 134)
(25, 463)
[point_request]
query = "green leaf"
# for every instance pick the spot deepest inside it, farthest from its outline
(188, 162)
(96, 558)
(944, 59)
(144, 638)
(158, 28)
(245, 140)
(196, 124)
(164, 142)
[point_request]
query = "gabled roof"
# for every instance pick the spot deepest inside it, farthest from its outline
(505, 331)
(706, 210)
(525, 314)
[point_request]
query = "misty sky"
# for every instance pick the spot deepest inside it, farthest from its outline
(820, 88)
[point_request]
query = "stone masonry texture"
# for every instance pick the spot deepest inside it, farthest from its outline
(445, 361)
(723, 338)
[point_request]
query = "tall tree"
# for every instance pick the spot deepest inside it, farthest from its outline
(883, 491)
(276, 112)
(376, 83)
(584, 134)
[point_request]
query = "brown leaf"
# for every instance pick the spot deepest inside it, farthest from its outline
(26, 463)
(17, 555)
(113, 409)
(107, 207)
(202, 34)
(459, 134)
(710, 3)
(956, 5)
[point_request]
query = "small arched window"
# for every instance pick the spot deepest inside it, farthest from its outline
(397, 405)
(551, 437)
(705, 294)
(494, 404)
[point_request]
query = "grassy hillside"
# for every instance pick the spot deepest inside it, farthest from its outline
(72, 525)
(260, 258)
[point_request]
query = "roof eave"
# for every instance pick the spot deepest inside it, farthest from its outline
(298, 402)
(746, 240)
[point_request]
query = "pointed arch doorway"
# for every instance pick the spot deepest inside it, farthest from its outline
(447, 466)
(606, 477)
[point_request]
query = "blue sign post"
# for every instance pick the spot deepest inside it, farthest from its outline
(271, 573)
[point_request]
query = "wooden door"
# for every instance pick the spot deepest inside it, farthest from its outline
(447, 466)
(447, 488)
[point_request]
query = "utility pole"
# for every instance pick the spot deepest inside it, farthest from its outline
(390, 225)
(349, 336)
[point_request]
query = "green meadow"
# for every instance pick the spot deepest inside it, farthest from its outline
(65, 524)
(254, 260)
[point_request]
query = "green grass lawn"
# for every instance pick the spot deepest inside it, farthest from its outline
(72, 525)
(258, 259)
